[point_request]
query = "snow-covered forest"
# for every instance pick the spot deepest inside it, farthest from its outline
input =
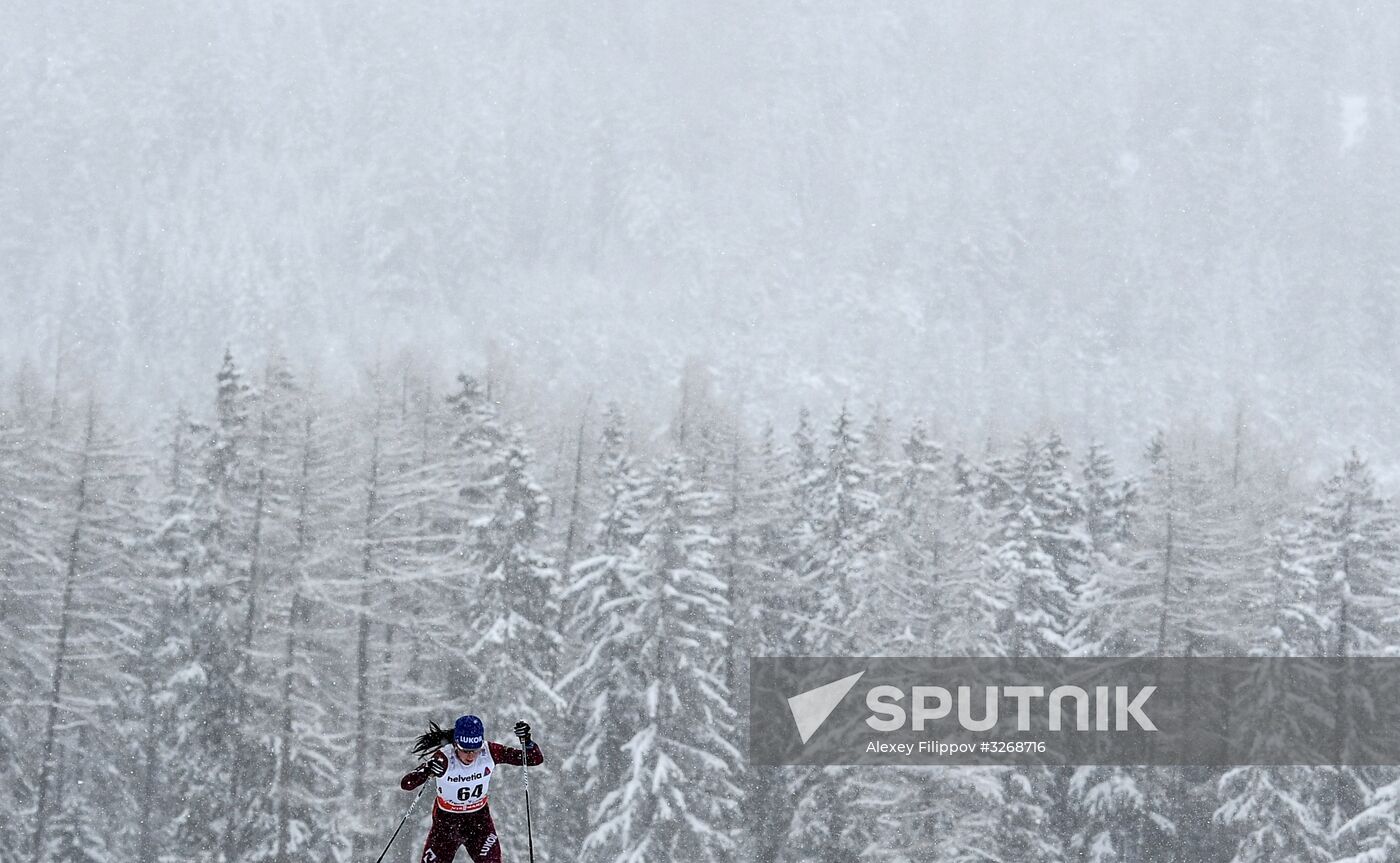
(364, 364)
(220, 639)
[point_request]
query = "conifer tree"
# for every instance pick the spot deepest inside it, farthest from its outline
(90, 567)
(1272, 812)
(763, 616)
(303, 733)
(1108, 501)
(27, 484)
(916, 549)
(676, 799)
(167, 553)
(1039, 560)
(1178, 590)
(272, 459)
(406, 583)
(209, 657)
(600, 632)
(1038, 551)
(516, 600)
(835, 540)
(1354, 550)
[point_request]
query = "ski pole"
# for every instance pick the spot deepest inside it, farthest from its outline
(401, 822)
(525, 771)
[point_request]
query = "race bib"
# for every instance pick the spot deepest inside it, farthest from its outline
(463, 787)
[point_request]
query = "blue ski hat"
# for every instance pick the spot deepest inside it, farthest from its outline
(469, 733)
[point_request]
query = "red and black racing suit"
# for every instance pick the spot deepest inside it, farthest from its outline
(475, 829)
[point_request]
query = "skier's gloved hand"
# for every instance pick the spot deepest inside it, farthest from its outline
(522, 730)
(435, 766)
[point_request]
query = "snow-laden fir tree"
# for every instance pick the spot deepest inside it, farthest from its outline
(209, 661)
(303, 732)
(26, 480)
(599, 632)
(675, 799)
(1112, 815)
(925, 604)
(1038, 550)
(1273, 811)
(90, 571)
(1034, 559)
(769, 548)
(472, 439)
(1110, 507)
(164, 636)
(757, 555)
(273, 465)
(485, 553)
(1179, 589)
(745, 594)
(1371, 836)
(1038, 557)
(834, 538)
(394, 591)
(916, 550)
(370, 586)
(515, 652)
(1108, 501)
(1354, 551)
(834, 552)
(94, 816)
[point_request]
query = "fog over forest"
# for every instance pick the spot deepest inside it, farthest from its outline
(1105, 219)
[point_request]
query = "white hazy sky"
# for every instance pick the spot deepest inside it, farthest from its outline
(996, 216)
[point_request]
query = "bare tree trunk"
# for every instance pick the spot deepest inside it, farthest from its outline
(245, 661)
(571, 535)
(146, 850)
(65, 626)
(733, 591)
(296, 615)
(362, 637)
(150, 753)
(1169, 554)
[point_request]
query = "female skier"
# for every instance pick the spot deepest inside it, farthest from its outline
(463, 771)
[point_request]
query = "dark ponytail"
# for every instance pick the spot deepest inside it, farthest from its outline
(432, 739)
